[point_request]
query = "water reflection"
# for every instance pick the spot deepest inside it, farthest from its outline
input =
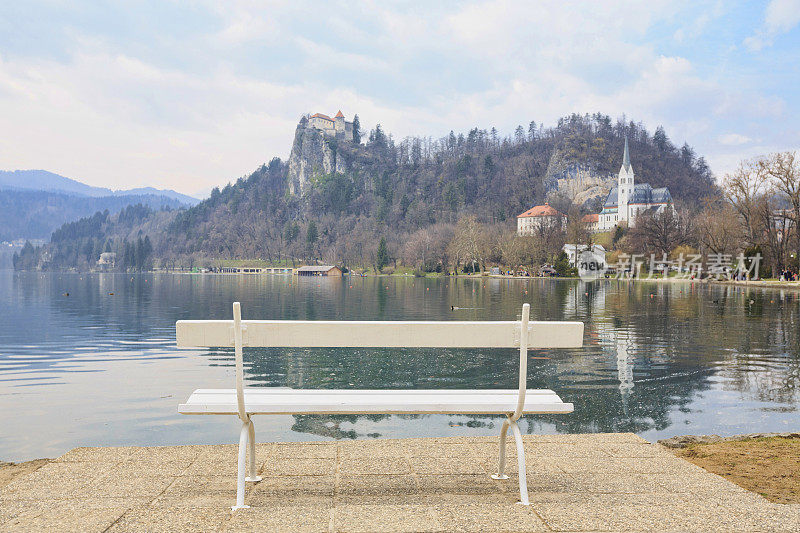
(659, 359)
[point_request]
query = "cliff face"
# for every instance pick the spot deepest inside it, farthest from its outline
(585, 186)
(312, 155)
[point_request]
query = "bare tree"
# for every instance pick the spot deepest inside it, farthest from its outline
(784, 169)
(718, 229)
(417, 249)
(744, 189)
(469, 241)
(661, 232)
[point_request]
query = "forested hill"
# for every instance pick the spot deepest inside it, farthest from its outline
(346, 195)
(386, 187)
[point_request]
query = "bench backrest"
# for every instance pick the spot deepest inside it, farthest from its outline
(238, 333)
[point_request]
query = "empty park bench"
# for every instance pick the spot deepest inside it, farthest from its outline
(246, 402)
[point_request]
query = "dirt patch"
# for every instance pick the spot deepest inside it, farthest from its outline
(10, 471)
(767, 466)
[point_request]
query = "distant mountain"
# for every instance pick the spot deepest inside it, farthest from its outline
(42, 180)
(183, 198)
(26, 214)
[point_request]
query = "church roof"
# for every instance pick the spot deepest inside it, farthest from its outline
(626, 157)
(541, 211)
(339, 114)
(320, 115)
(643, 193)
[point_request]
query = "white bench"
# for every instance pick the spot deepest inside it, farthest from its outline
(244, 403)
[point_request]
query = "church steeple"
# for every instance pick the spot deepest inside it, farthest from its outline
(626, 158)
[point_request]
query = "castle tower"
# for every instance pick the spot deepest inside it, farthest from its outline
(339, 123)
(624, 185)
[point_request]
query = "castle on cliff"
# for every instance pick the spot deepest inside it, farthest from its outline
(336, 127)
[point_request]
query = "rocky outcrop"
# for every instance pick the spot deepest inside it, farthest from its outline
(312, 154)
(582, 184)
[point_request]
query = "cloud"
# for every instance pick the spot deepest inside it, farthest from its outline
(210, 101)
(780, 17)
(733, 139)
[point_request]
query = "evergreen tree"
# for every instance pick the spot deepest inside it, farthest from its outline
(290, 231)
(532, 131)
(660, 139)
(562, 266)
(312, 234)
(139, 254)
(147, 253)
(519, 135)
(382, 255)
(356, 130)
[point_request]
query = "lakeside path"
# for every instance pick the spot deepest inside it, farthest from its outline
(582, 482)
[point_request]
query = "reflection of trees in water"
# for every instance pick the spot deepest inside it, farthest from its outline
(330, 425)
(763, 362)
(701, 331)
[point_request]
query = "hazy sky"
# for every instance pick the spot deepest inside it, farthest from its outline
(162, 93)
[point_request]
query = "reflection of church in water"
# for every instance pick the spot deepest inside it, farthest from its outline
(589, 300)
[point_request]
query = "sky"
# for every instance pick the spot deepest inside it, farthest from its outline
(189, 96)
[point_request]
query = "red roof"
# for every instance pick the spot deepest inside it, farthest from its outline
(320, 115)
(589, 219)
(339, 114)
(541, 211)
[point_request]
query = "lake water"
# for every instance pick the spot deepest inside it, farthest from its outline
(99, 366)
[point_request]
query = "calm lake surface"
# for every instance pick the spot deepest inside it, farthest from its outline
(95, 368)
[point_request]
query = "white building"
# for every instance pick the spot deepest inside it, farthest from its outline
(540, 218)
(573, 251)
(335, 127)
(107, 258)
(627, 200)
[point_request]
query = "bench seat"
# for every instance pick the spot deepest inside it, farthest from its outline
(275, 401)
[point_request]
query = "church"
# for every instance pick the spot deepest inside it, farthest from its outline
(628, 199)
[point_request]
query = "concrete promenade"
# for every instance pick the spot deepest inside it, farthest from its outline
(603, 482)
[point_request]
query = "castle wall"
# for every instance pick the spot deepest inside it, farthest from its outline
(338, 128)
(321, 123)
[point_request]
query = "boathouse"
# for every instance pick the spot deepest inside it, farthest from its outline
(319, 270)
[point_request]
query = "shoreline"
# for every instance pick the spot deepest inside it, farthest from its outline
(768, 283)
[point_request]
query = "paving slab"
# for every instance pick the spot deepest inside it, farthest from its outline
(180, 520)
(598, 482)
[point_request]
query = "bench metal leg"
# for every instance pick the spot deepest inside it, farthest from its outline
(251, 434)
(523, 477)
(501, 468)
(243, 438)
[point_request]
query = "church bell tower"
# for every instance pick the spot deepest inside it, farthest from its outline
(624, 185)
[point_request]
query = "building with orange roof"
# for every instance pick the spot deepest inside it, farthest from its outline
(592, 222)
(334, 127)
(540, 218)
